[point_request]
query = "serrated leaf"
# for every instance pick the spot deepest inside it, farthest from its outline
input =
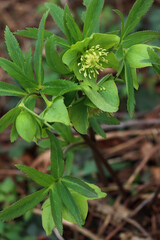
(47, 219)
(122, 18)
(100, 194)
(16, 72)
(14, 50)
(28, 65)
(69, 202)
(140, 37)
(76, 112)
(71, 28)
(14, 134)
(138, 10)
(54, 60)
(130, 89)
(92, 17)
(23, 205)
(38, 50)
(57, 14)
(79, 186)
(41, 178)
(11, 90)
(8, 118)
(57, 163)
(97, 128)
(33, 33)
(56, 208)
(59, 87)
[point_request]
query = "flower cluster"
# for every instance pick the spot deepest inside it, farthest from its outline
(92, 60)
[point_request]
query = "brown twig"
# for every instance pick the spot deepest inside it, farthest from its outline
(99, 155)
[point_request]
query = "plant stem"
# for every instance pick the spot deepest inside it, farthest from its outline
(99, 156)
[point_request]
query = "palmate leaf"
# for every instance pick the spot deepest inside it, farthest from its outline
(17, 73)
(139, 9)
(11, 90)
(56, 208)
(69, 202)
(14, 50)
(23, 205)
(57, 163)
(92, 17)
(79, 186)
(41, 178)
(38, 51)
(47, 219)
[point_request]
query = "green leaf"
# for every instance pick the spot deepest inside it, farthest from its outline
(11, 90)
(17, 73)
(26, 126)
(79, 186)
(14, 50)
(130, 89)
(14, 134)
(64, 131)
(59, 87)
(33, 33)
(98, 191)
(92, 17)
(54, 60)
(57, 163)
(56, 208)
(28, 66)
(140, 37)
(71, 28)
(79, 117)
(41, 178)
(57, 14)
(69, 162)
(108, 119)
(98, 100)
(23, 205)
(122, 18)
(156, 60)
(8, 118)
(47, 219)
(69, 202)
(82, 205)
(57, 112)
(136, 55)
(97, 128)
(138, 10)
(109, 92)
(38, 50)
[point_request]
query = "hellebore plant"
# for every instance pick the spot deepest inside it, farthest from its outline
(78, 99)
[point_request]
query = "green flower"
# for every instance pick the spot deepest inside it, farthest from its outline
(86, 58)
